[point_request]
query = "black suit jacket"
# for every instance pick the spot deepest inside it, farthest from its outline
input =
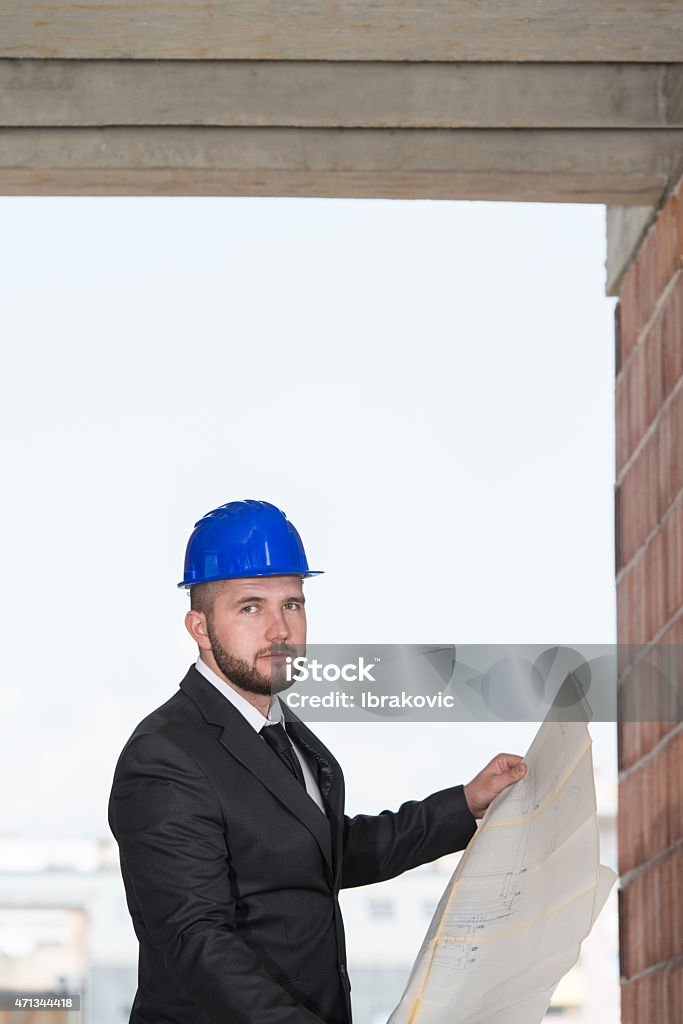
(232, 872)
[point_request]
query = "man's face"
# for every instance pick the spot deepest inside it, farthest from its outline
(254, 626)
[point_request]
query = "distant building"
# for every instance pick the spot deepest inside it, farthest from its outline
(64, 926)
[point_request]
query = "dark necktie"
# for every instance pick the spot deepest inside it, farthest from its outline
(276, 738)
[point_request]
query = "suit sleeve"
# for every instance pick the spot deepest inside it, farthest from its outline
(377, 847)
(167, 821)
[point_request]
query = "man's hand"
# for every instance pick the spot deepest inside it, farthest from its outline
(498, 774)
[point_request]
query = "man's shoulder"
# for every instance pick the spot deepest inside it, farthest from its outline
(176, 707)
(173, 720)
(168, 743)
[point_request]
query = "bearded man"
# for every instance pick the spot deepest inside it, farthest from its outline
(229, 811)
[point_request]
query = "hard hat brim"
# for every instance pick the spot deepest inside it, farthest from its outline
(186, 584)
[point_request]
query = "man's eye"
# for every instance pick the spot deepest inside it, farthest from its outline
(293, 605)
(249, 608)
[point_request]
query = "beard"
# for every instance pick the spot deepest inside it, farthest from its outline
(247, 677)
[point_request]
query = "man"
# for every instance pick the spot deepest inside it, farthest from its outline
(233, 850)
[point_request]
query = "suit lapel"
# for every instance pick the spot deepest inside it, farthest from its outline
(243, 743)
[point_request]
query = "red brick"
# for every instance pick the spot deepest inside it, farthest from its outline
(647, 277)
(630, 605)
(667, 911)
(655, 585)
(623, 585)
(679, 218)
(656, 800)
(659, 704)
(675, 771)
(650, 595)
(639, 498)
(676, 463)
(651, 999)
(634, 610)
(675, 982)
(622, 411)
(640, 634)
(674, 635)
(644, 932)
(650, 918)
(628, 1002)
(670, 452)
(628, 734)
(671, 331)
(677, 899)
(649, 708)
(655, 1005)
(654, 730)
(630, 853)
(650, 731)
(658, 680)
(650, 587)
(665, 458)
(628, 318)
(635, 373)
(644, 387)
(676, 415)
(644, 596)
(673, 555)
(636, 931)
(626, 654)
(652, 369)
(648, 913)
(639, 390)
(675, 454)
(666, 242)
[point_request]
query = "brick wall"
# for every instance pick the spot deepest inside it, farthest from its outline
(649, 557)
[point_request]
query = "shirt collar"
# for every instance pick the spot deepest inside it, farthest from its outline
(247, 710)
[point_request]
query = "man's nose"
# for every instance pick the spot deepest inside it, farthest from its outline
(278, 630)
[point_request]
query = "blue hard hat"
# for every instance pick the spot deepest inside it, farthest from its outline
(244, 539)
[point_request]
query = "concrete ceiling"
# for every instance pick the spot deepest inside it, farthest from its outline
(433, 30)
(508, 99)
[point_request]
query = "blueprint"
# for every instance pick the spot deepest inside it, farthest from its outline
(524, 895)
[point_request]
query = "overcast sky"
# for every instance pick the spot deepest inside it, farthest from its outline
(425, 388)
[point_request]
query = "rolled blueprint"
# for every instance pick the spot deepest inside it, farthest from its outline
(524, 895)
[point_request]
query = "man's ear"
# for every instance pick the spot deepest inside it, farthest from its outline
(195, 624)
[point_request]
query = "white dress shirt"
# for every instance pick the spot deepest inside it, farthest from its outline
(257, 721)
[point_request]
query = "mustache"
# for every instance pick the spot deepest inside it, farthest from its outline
(294, 650)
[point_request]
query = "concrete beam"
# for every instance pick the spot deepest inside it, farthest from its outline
(615, 167)
(449, 30)
(626, 228)
(339, 94)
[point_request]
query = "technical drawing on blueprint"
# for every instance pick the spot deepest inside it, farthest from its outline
(524, 895)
